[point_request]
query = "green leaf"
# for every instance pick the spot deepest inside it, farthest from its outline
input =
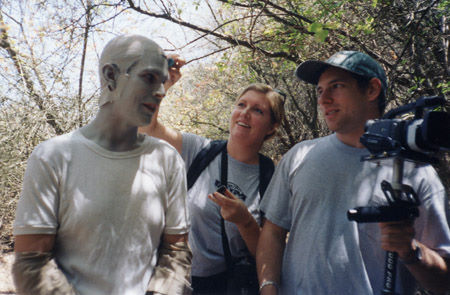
(321, 35)
(315, 27)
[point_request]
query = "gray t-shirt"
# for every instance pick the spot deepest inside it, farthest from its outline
(205, 236)
(313, 187)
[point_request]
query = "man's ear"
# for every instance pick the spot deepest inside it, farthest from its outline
(374, 89)
(110, 73)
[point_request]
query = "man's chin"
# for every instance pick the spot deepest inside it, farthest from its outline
(146, 119)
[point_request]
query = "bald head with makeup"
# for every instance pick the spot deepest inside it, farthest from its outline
(131, 54)
(132, 72)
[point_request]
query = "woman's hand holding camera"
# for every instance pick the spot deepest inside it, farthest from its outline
(232, 209)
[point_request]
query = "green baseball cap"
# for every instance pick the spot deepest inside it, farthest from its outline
(353, 61)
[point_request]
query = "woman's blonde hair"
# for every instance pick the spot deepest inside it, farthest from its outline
(276, 100)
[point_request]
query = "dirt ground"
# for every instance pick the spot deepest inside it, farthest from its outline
(6, 282)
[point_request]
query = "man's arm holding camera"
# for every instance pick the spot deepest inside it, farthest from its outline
(430, 269)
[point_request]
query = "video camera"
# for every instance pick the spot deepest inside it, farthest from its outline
(416, 140)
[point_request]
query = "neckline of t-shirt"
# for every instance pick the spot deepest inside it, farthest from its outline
(242, 165)
(107, 153)
(346, 148)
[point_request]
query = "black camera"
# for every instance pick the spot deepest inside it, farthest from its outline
(413, 139)
(416, 139)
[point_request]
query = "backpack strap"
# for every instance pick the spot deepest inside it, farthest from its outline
(202, 160)
(266, 168)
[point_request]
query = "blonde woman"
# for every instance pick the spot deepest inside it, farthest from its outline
(257, 114)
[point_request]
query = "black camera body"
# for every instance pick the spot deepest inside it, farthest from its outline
(416, 139)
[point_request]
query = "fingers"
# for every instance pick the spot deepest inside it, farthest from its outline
(215, 199)
(232, 209)
(175, 64)
(398, 228)
(397, 236)
(229, 195)
(227, 199)
(219, 199)
(178, 61)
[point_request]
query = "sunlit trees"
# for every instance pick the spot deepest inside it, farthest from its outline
(46, 89)
(408, 38)
(49, 84)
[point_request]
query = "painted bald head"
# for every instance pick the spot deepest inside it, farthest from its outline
(124, 53)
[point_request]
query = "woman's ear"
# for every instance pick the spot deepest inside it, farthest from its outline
(374, 89)
(272, 131)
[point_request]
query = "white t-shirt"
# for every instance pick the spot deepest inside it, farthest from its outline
(205, 236)
(313, 187)
(107, 209)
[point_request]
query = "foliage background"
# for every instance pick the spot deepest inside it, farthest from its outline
(49, 51)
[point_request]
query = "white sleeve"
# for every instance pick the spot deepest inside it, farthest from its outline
(276, 201)
(192, 145)
(177, 217)
(38, 204)
(432, 225)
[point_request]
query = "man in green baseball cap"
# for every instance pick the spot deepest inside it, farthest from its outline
(318, 180)
(355, 62)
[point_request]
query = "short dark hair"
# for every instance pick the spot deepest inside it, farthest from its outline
(363, 84)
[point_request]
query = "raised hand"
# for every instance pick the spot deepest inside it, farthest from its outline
(174, 70)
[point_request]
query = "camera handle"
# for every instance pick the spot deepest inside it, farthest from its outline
(403, 204)
(390, 264)
(394, 195)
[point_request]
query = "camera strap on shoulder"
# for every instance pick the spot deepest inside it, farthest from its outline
(224, 181)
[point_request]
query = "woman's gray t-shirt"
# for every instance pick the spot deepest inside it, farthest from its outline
(205, 236)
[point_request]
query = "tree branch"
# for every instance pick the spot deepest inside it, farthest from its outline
(83, 60)
(5, 44)
(228, 38)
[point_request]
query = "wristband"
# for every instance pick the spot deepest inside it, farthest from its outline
(267, 283)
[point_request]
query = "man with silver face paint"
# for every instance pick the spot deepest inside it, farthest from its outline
(103, 208)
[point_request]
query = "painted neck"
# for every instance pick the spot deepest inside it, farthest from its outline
(112, 135)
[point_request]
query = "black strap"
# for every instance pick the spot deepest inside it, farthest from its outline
(224, 168)
(202, 160)
(266, 168)
(224, 181)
